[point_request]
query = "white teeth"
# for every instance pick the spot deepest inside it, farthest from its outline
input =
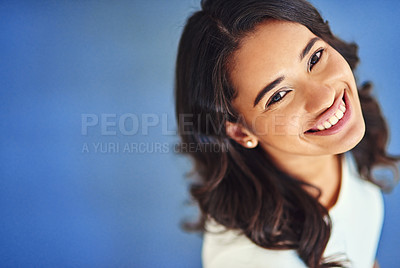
(327, 124)
(339, 114)
(333, 120)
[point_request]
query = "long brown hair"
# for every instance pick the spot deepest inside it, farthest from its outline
(238, 187)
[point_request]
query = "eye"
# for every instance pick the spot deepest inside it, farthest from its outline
(314, 59)
(277, 98)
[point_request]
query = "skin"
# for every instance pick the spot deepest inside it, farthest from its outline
(273, 50)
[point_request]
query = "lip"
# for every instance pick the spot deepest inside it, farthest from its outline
(328, 114)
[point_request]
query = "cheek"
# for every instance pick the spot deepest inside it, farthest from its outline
(278, 126)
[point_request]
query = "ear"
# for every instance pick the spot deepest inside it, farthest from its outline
(241, 135)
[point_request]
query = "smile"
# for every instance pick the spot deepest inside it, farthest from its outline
(334, 119)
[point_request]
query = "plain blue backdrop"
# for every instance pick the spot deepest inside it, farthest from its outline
(114, 196)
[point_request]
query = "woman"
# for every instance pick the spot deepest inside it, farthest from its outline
(267, 105)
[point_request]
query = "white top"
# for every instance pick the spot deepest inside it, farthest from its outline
(357, 219)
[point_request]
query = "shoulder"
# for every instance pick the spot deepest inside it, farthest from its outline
(367, 195)
(230, 248)
(359, 200)
(362, 202)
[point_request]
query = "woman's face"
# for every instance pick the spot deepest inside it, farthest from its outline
(296, 93)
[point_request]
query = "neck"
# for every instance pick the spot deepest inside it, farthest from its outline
(323, 172)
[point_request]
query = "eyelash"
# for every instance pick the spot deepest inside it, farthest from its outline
(278, 94)
(311, 64)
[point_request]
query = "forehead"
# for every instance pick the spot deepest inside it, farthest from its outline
(270, 51)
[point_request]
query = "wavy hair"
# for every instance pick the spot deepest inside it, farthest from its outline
(242, 188)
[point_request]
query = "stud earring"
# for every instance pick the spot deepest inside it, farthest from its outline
(249, 143)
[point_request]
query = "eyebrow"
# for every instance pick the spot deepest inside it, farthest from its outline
(308, 47)
(264, 91)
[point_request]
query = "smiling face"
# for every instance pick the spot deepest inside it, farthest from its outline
(296, 93)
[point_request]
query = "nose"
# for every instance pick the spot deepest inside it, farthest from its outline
(317, 97)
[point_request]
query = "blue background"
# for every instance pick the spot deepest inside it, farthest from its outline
(64, 206)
